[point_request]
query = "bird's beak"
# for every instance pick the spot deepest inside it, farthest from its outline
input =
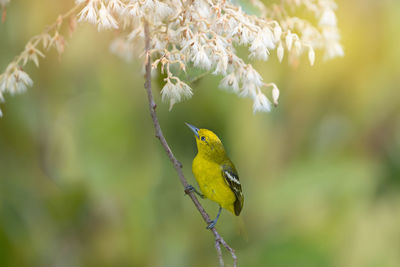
(194, 129)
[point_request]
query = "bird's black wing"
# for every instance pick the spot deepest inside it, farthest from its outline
(232, 179)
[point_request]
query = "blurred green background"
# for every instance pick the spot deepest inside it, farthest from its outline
(83, 181)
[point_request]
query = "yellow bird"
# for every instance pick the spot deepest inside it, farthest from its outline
(215, 173)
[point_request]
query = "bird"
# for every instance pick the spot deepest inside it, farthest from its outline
(215, 174)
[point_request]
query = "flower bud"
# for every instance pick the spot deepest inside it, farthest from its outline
(311, 56)
(275, 94)
(280, 52)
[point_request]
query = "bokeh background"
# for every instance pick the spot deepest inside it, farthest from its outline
(83, 181)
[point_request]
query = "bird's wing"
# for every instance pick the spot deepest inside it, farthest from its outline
(232, 179)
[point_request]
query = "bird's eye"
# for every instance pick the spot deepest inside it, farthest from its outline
(203, 138)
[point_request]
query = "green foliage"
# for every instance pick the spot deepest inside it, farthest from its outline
(83, 181)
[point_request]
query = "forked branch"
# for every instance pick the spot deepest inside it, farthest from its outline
(178, 166)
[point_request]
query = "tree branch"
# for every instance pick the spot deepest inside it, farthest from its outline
(177, 165)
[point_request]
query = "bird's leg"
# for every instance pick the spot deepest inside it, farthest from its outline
(189, 188)
(214, 222)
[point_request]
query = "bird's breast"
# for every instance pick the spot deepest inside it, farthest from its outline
(211, 182)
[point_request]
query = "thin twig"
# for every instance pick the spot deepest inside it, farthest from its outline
(177, 165)
(36, 39)
(219, 252)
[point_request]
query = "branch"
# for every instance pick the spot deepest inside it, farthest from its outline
(177, 165)
(36, 39)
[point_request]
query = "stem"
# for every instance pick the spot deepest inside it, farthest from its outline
(177, 165)
(36, 39)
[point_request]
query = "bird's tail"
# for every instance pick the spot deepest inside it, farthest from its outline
(241, 228)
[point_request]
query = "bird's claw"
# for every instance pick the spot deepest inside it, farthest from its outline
(211, 224)
(189, 189)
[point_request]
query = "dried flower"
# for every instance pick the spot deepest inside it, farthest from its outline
(175, 92)
(289, 40)
(277, 32)
(311, 56)
(14, 80)
(280, 51)
(123, 48)
(275, 94)
(328, 18)
(261, 103)
(202, 33)
(59, 42)
(116, 5)
(31, 53)
(72, 25)
(230, 81)
(89, 12)
(201, 59)
(106, 20)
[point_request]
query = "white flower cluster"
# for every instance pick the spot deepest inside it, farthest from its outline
(324, 35)
(14, 79)
(204, 34)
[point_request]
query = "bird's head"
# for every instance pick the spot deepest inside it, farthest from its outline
(208, 143)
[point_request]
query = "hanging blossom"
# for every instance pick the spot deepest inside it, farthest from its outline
(15, 79)
(201, 34)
